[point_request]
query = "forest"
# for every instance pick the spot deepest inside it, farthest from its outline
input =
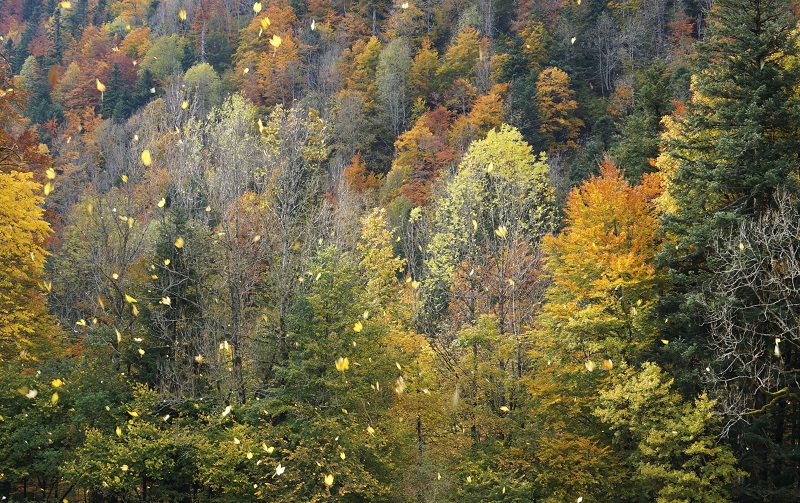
(399, 251)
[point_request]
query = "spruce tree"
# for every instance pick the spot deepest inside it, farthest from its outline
(728, 154)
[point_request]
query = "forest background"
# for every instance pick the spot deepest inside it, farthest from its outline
(446, 250)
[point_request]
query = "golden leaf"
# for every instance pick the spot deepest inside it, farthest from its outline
(162, 202)
(342, 364)
(329, 480)
(100, 86)
(275, 41)
(185, 105)
(357, 327)
(51, 173)
(129, 299)
(133, 413)
(257, 7)
(54, 398)
(265, 23)
(57, 383)
(146, 160)
(119, 431)
(179, 242)
(182, 15)
(48, 188)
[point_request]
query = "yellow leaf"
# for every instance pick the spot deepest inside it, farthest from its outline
(342, 455)
(370, 430)
(51, 173)
(81, 322)
(48, 188)
(265, 23)
(141, 352)
(57, 383)
(329, 480)
(608, 364)
(134, 310)
(54, 398)
(89, 208)
(198, 359)
(249, 455)
(179, 242)
(342, 364)
(275, 41)
(185, 105)
(166, 261)
(415, 284)
(114, 276)
(357, 327)
(589, 365)
(474, 224)
(236, 441)
(279, 469)
(344, 411)
(146, 160)
(129, 299)
(501, 231)
(119, 431)
(119, 335)
(133, 413)
(505, 408)
(257, 7)
(162, 202)
(182, 15)
(664, 341)
(226, 411)
(246, 70)
(66, 5)
(166, 301)
(469, 479)
(208, 208)
(124, 468)
(100, 86)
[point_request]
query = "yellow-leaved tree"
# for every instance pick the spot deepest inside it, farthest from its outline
(26, 329)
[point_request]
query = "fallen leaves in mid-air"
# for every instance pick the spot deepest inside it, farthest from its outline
(329, 479)
(226, 411)
(182, 15)
(257, 7)
(279, 469)
(358, 327)
(179, 242)
(275, 41)
(342, 364)
(146, 159)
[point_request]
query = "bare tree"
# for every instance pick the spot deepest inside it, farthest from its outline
(753, 310)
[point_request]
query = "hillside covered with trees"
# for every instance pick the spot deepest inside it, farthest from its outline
(430, 250)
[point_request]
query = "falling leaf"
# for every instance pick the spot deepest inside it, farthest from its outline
(279, 469)
(608, 364)
(119, 336)
(246, 70)
(165, 418)
(54, 398)
(146, 160)
(257, 7)
(182, 15)
(185, 105)
(342, 364)
(141, 352)
(474, 224)
(249, 455)
(124, 468)
(81, 322)
(57, 383)
(404, 5)
(469, 479)
(510, 282)
(129, 299)
(329, 479)
(162, 202)
(100, 86)
(275, 41)
(265, 23)
(179, 242)
(777, 348)
(664, 341)
(51, 173)
(166, 261)
(415, 284)
(505, 408)
(236, 441)
(166, 301)
(133, 413)
(226, 411)
(572, 40)
(89, 208)
(208, 208)
(741, 246)
(501, 231)
(48, 188)
(589, 365)
(119, 431)
(313, 24)
(370, 430)
(357, 327)
(342, 455)
(257, 238)
(66, 5)
(580, 499)
(134, 310)
(198, 359)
